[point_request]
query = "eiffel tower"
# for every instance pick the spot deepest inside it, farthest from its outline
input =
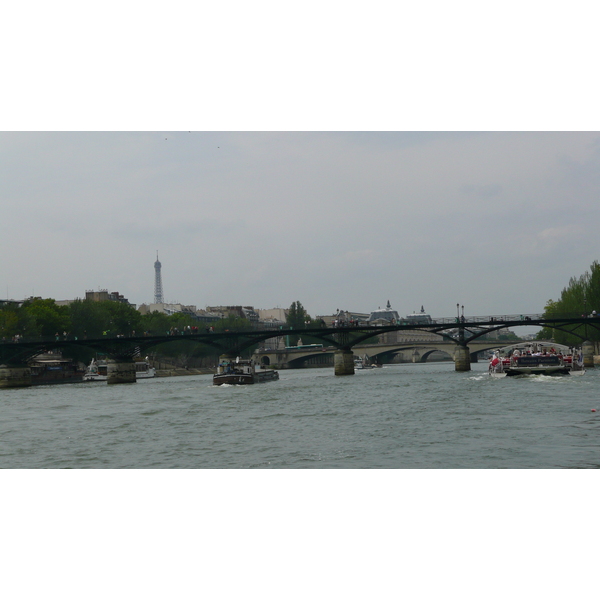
(158, 291)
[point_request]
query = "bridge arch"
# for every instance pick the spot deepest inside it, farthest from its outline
(427, 354)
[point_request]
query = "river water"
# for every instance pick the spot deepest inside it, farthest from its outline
(411, 416)
(313, 486)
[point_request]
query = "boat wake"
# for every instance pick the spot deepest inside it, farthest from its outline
(479, 377)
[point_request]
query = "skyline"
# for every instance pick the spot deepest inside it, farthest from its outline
(497, 222)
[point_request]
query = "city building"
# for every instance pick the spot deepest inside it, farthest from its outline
(384, 316)
(243, 312)
(346, 316)
(272, 315)
(273, 318)
(103, 295)
(172, 308)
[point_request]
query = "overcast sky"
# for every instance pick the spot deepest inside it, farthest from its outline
(497, 222)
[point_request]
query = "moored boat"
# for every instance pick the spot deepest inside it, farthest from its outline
(359, 364)
(242, 372)
(50, 368)
(365, 363)
(98, 370)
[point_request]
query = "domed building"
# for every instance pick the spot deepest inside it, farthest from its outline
(419, 318)
(385, 316)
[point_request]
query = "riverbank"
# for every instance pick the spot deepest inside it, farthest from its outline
(183, 372)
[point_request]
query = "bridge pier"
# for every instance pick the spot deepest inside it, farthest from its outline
(120, 370)
(462, 359)
(343, 362)
(14, 376)
(588, 354)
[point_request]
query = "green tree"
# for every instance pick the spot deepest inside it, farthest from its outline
(297, 318)
(551, 310)
(89, 319)
(44, 318)
(124, 319)
(181, 321)
(156, 323)
(580, 297)
(232, 323)
(9, 322)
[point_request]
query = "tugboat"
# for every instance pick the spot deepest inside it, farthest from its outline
(242, 372)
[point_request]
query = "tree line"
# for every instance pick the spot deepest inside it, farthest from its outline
(88, 319)
(581, 297)
(43, 318)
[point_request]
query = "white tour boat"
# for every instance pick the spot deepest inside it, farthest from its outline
(536, 359)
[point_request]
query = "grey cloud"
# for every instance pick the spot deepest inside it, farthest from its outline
(330, 219)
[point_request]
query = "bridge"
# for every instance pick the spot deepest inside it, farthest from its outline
(420, 351)
(462, 333)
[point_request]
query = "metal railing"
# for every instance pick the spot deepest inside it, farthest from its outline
(493, 318)
(490, 320)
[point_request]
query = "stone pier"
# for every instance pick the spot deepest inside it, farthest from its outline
(120, 370)
(14, 376)
(462, 359)
(343, 362)
(588, 354)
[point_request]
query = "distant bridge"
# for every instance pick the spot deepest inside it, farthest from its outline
(462, 332)
(293, 358)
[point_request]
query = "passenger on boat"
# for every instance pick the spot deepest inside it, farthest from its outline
(495, 363)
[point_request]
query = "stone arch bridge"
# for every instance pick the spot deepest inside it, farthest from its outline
(420, 351)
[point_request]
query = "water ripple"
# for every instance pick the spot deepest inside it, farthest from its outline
(400, 417)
